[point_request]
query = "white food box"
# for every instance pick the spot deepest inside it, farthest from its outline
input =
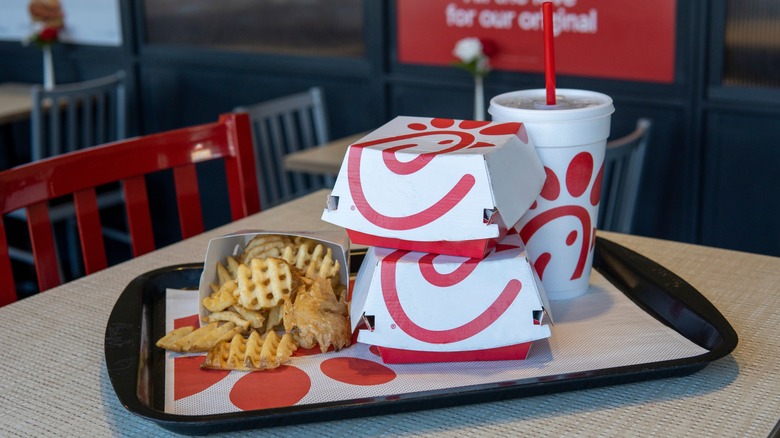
(436, 185)
(423, 307)
(233, 245)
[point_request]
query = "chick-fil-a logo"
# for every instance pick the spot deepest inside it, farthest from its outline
(579, 174)
(454, 139)
(427, 268)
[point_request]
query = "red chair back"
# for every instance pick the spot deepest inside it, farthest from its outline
(32, 185)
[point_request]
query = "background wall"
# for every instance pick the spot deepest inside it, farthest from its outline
(711, 174)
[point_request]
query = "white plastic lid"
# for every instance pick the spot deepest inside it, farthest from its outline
(571, 105)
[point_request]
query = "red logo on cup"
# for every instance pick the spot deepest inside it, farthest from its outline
(579, 174)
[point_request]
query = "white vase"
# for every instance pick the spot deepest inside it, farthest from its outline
(479, 99)
(48, 68)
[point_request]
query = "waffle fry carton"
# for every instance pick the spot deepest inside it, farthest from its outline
(436, 185)
(422, 307)
(335, 249)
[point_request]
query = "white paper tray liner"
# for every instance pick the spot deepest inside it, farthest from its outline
(600, 329)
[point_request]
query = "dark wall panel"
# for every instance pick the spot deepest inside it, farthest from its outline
(668, 189)
(741, 190)
(431, 100)
(185, 96)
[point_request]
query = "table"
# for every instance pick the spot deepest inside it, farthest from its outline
(15, 102)
(323, 160)
(15, 106)
(53, 380)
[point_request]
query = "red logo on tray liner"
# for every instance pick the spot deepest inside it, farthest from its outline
(280, 387)
(579, 173)
(449, 200)
(276, 388)
(190, 379)
(356, 371)
(465, 331)
(193, 320)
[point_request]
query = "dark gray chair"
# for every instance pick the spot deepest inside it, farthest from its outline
(282, 126)
(623, 165)
(70, 117)
(78, 115)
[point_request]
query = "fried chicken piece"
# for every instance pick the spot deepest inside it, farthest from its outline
(315, 316)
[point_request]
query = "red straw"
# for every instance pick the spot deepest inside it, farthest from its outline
(549, 53)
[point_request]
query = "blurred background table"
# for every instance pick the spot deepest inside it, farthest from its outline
(15, 109)
(15, 102)
(53, 378)
(322, 160)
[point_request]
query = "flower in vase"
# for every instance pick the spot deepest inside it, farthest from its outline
(48, 18)
(45, 37)
(474, 55)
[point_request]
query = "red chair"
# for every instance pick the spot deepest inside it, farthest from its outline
(78, 173)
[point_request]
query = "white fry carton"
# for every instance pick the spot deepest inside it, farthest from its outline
(233, 245)
(424, 307)
(436, 185)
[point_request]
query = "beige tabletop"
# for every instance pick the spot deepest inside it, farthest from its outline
(324, 160)
(15, 102)
(53, 378)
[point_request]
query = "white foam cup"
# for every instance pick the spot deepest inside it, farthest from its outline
(559, 230)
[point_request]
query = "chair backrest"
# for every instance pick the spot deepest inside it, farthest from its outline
(282, 126)
(77, 115)
(32, 185)
(623, 164)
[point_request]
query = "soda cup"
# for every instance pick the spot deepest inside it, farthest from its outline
(570, 137)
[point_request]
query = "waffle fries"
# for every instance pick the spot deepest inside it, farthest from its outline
(314, 260)
(251, 354)
(265, 284)
(265, 245)
(190, 339)
(278, 285)
(221, 297)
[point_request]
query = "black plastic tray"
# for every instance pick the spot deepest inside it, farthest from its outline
(136, 367)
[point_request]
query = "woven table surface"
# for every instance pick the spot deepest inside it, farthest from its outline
(53, 378)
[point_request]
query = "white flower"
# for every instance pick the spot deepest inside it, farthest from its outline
(468, 49)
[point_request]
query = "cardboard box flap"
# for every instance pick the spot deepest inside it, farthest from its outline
(542, 295)
(521, 166)
(361, 287)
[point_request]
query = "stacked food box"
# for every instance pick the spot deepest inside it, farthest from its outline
(446, 277)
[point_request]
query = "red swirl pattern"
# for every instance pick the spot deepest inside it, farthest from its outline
(579, 174)
(421, 218)
(389, 157)
(456, 334)
(435, 278)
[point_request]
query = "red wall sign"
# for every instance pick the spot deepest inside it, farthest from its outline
(597, 38)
